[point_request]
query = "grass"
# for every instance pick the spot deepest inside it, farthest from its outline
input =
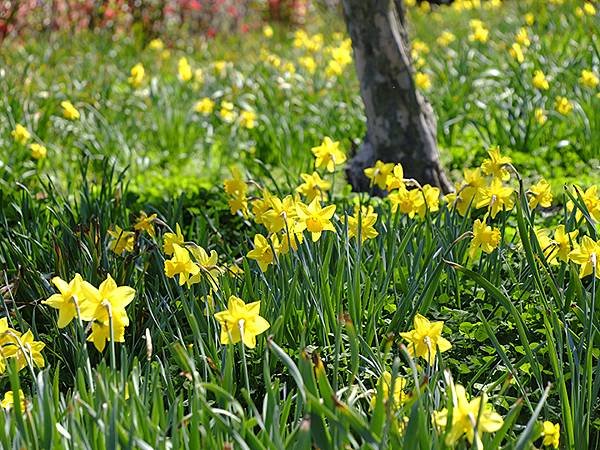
(523, 324)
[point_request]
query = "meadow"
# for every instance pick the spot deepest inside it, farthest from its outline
(183, 265)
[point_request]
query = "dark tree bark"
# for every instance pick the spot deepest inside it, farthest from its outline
(401, 125)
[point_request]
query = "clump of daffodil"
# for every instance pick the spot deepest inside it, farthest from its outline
(20, 347)
(69, 111)
(470, 418)
(121, 241)
(539, 81)
(204, 106)
(587, 255)
(184, 70)
(137, 75)
(314, 218)
(328, 155)
(20, 134)
(361, 224)
(384, 386)
(591, 200)
(563, 105)
(313, 187)
(415, 201)
(551, 434)
(485, 238)
(38, 151)
(378, 174)
(241, 322)
(540, 194)
(105, 308)
(425, 340)
(145, 223)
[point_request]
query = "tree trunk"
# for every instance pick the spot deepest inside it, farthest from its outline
(400, 123)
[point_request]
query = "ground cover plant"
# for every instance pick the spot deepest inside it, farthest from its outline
(183, 265)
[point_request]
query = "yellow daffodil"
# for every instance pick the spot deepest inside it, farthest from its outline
(496, 197)
(156, 44)
(313, 186)
(467, 416)
(248, 119)
(540, 116)
(105, 304)
(485, 238)
(38, 151)
(522, 37)
(563, 105)
(20, 134)
(541, 194)
(468, 192)
(181, 264)
(184, 70)
(328, 155)
(539, 81)
(365, 219)
(170, 239)
(69, 111)
(496, 164)
(267, 31)
(205, 106)
(27, 350)
(137, 75)
(9, 400)
(67, 302)
(516, 52)
(564, 241)
(384, 385)
(422, 81)
(281, 214)
(122, 241)
(263, 253)
(227, 113)
(587, 255)
(445, 38)
(241, 322)
(425, 340)
(551, 433)
(589, 79)
(479, 34)
(378, 174)
(591, 200)
(396, 179)
(314, 218)
(208, 266)
(529, 19)
(145, 223)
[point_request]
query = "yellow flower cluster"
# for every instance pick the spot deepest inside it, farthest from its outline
(104, 307)
(123, 241)
(190, 262)
(22, 348)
